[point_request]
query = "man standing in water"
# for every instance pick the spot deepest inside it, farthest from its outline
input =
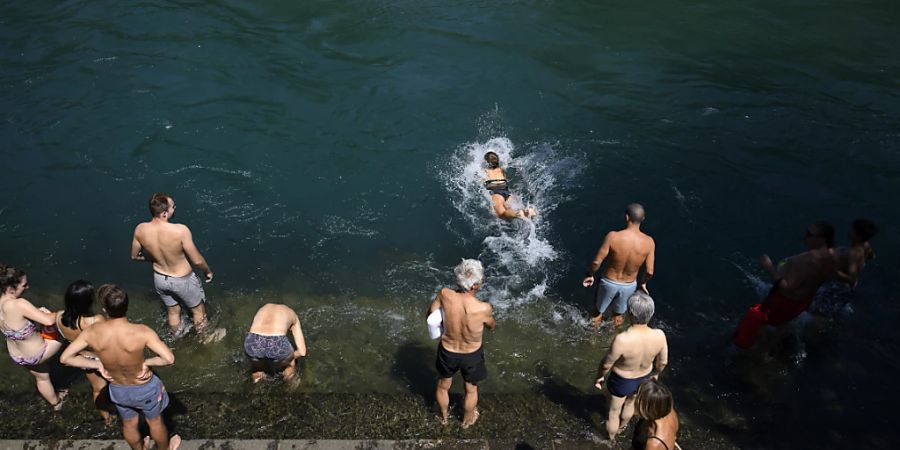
(170, 246)
(794, 283)
(268, 346)
(633, 356)
(133, 387)
(628, 250)
(460, 348)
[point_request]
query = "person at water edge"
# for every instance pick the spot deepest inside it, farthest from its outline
(851, 261)
(22, 324)
(497, 184)
(460, 347)
(170, 247)
(133, 387)
(637, 354)
(268, 346)
(70, 322)
(794, 285)
(624, 251)
(657, 428)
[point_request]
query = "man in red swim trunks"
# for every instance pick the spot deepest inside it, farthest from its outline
(795, 283)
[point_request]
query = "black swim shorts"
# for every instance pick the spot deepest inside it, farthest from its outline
(470, 364)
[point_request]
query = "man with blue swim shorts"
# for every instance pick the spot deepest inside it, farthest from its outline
(637, 354)
(133, 387)
(625, 251)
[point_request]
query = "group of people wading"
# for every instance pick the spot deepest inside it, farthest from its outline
(111, 350)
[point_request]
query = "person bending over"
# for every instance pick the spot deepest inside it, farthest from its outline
(268, 346)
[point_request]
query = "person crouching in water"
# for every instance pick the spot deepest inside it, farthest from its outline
(497, 184)
(268, 346)
(460, 348)
(133, 388)
(637, 354)
(657, 428)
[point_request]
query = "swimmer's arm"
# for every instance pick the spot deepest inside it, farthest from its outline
(299, 341)
(187, 242)
(662, 359)
(70, 356)
(42, 316)
(136, 249)
(613, 355)
(766, 263)
(491, 323)
(602, 253)
(648, 267)
(164, 355)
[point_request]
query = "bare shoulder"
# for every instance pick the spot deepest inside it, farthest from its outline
(659, 334)
(140, 227)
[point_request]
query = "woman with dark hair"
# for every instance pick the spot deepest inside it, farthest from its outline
(658, 424)
(78, 315)
(495, 182)
(20, 323)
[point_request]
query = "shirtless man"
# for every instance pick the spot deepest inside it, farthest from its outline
(268, 346)
(133, 387)
(460, 348)
(169, 246)
(638, 353)
(833, 298)
(628, 250)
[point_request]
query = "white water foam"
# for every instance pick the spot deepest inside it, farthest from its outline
(516, 254)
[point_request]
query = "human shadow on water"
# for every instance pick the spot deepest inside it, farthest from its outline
(578, 403)
(414, 365)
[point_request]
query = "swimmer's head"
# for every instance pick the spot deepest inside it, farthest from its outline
(160, 203)
(10, 277)
(863, 230)
(641, 308)
(114, 300)
(469, 274)
(492, 159)
(654, 400)
(635, 213)
(820, 232)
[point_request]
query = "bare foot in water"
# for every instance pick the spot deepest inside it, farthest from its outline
(174, 442)
(146, 443)
(530, 211)
(596, 321)
(257, 377)
(212, 336)
(475, 415)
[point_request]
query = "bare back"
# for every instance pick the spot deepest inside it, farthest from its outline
(273, 320)
(464, 320)
(803, 274)
(120, 347)
(635, 350)
(164, 243)
(629, 249)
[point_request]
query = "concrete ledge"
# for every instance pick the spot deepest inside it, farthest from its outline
(302, 444)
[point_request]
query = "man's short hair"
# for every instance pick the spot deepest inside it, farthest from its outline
(469, 273)
(635, 212)
(824, 230)
(641, 308)
(113, 299)
(159, 203)
(865, 229)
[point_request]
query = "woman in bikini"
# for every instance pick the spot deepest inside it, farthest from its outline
(21, 323)
(658, 424)
(71, 321)
(495, 182)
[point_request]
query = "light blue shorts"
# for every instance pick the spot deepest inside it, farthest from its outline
(616, 293)
(149, 398)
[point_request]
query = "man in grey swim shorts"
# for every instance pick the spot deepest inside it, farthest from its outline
(170, 247)
(133, 387)
(625, 251)
(268, 346)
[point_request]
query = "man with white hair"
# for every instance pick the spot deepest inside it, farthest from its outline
(637, 354)
(460, 347)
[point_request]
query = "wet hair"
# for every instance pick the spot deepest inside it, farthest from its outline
(492, 159)
(654, 400)
(79, 303)
(114, 300)
(865, 229)
(10, 277)
(824, 230)
(159, 203)
(635, 213)
(641, 308)
(469, 273)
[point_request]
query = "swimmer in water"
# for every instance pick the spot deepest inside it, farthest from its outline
(496, 183)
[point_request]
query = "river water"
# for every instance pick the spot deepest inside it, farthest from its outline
(325, 155)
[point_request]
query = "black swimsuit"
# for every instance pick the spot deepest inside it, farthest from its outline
(498, 187)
